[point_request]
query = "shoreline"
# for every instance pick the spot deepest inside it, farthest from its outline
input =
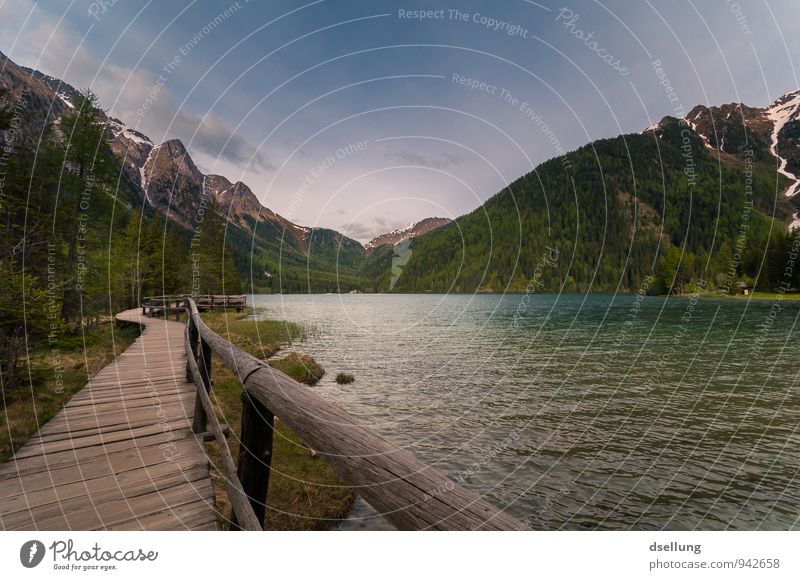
(753, 295)
(791, 296)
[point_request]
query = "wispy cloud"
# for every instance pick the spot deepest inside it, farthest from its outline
(440, 161)
(366, 231)
(358, 231)
(55, 48)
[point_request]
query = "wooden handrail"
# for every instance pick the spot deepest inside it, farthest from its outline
(241, 504)
(175, 303)
(406, 491)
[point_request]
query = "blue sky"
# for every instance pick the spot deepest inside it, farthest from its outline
(354, 114)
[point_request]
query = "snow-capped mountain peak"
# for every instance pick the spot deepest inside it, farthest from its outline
(412, 230)
(783, 111)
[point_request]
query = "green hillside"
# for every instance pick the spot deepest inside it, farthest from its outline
(614, 212)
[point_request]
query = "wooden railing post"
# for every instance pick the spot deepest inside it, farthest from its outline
(204, 362)
(193, 334)
(255, 455)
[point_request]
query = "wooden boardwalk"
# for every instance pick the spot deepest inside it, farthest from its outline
(121, 455)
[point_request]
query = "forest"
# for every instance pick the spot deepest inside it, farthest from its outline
(620, 212)
(74, 250)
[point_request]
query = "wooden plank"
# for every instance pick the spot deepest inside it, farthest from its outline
(116, 508)
(111, 434)
(129, 453)
(113, 464)
(121, 454)
(103, 441)
(126, 480)
(191, 516)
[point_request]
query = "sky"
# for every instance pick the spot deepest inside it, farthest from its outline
(364, 116)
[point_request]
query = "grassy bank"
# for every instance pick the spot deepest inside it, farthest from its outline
(56, 372)
(304, 492)
(753, 295)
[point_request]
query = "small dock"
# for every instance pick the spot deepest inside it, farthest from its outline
(121, 455)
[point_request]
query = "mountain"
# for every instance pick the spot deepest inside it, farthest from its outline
(786, 136)
(410, 231)
(709, 197)
(768, 133)
(687, 202)
(67, 93)
(274, 253)
(42, 105)
(172, 183)
(131, 148)
(732, 129)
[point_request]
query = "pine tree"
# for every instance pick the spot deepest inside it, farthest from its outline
(218, 273)
(89, 169)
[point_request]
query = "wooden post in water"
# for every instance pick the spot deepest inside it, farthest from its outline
(255, 455)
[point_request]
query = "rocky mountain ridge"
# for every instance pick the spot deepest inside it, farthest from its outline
(410, 231)
(765, 134)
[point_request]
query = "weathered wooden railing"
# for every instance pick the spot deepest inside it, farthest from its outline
(406, 491)
(175, 304)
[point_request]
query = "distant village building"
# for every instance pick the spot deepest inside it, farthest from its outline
(743, 288)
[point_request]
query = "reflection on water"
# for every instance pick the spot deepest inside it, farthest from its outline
(577, 412)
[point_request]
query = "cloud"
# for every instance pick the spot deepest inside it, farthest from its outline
(136, 96)
(365, 232)
(433, 161)
(213, 136)
(358, 231)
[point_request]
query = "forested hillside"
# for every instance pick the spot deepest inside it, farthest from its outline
(615, 212)
(692, 199)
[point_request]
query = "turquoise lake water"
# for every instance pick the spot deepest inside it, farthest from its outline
(576, 411)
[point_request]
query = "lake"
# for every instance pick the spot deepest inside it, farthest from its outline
(576, 411)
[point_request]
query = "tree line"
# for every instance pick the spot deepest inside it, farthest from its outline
(76, 245)
(623, 214)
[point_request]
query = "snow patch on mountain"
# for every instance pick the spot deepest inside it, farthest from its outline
(412, 230)
(706, 142)
(137, 137)
(65, 100)
(118, 128)
(143, 171)
(784, 110)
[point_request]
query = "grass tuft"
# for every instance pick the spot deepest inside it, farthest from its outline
(345, 378)
(249, 331)
(300, 367)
